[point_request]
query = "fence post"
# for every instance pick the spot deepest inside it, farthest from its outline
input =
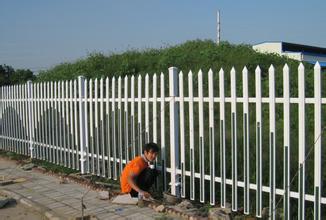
(174, 130)
(82, 101)
(30, 116)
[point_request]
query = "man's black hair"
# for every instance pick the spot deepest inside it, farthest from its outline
(151, 147)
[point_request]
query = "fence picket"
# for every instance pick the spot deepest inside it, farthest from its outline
(97, 133)
(302, 142)
(146, 108)
(222, 138)
(15, 131)
(19, 142)
(76, 151)
(211, 136)
(56, 124)
(126, 133)
(114, 132)
(182, 137)
(163, 157)
(258, 143)
(318, 146)
(59, 120)
(82, 126)
(154, 108)
(52, 128)
(108, 131)
(70, 126)
(234, 141)
(132, 119)
(139, 117)
(201, 137)
(120, 126)
(42, 88)
(26, 151)
(191, 136)
(66, 126)
(87, 146)
(246, 155)
(91, 125)
(286, 133)
(102, 137)
(272, 201)
(46, 117)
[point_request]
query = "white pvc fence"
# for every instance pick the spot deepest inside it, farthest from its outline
(93, 125)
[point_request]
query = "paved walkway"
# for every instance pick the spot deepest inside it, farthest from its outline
(64, 200)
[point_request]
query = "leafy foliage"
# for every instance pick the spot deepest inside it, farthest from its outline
(10, 76)
(192, 55)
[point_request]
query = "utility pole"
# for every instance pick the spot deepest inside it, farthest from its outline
(218, 37)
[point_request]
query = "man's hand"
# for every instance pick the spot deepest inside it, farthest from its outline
(147, 195)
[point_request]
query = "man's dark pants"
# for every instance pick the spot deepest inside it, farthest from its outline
(144, 180)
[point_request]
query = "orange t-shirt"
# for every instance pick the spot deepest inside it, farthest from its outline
(136, 166)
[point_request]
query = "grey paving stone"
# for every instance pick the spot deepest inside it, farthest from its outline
(107, 216)
(45, 201)
(137, 216)
(55, 205)
(54, 194)
(62, 209)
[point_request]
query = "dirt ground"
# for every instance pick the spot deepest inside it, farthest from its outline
(18, 211)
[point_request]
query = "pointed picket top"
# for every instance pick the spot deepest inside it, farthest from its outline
(271, 68)
(232, 70)
(210, 84)
(257, 70)
(286, 68)
(286, 72)
(139, 77)
(301, 67)
(126, 78)
(162, 75)
(245, 70)
(119, 78)
(146, 76)
(154, 77)
(271, 72)
(181, 74)
(190, 73)
(133, 77)
(210, 72)
(221, 71)
(317, 66)
(200, 73)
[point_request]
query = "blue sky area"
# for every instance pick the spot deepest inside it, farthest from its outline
(38, 34)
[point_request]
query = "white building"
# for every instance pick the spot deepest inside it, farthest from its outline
(298, 52)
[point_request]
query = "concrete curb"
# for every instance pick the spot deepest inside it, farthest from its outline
(48, 213)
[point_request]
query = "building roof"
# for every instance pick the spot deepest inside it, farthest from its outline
(302, 48)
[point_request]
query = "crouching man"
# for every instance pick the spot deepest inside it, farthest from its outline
(139, 174)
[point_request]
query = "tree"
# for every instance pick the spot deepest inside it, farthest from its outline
(21, 76)
(5, 72)
(10, 76)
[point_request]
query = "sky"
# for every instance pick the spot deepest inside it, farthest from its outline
(39, 34)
